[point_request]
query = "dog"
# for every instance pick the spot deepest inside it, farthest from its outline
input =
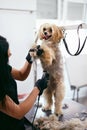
(51, 61)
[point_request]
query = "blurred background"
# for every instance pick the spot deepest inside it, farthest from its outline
(20, 19)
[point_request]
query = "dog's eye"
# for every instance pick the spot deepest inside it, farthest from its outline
(50, 29)
(44, 29)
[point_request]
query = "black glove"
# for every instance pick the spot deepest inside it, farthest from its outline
(29, 58)
(41, 84)
(39, 51)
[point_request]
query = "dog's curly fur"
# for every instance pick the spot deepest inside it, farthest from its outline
(51, 61)
(52, 123)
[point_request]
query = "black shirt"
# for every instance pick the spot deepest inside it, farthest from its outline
(7, 122)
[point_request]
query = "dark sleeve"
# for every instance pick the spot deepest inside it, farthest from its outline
(2, 93)
(10, 68)
(2, 88)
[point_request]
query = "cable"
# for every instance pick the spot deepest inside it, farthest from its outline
(35, 112)
(45, 75)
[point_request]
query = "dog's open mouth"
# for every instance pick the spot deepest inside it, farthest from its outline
(46, 37)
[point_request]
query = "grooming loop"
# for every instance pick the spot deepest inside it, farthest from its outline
(80, 48)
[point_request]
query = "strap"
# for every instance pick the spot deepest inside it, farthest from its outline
(79, 50)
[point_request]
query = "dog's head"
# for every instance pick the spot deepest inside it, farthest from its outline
(50, 32)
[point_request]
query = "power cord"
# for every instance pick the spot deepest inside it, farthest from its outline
(45, 74)
(35, 112)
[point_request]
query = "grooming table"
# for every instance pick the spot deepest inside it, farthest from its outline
(71, 109)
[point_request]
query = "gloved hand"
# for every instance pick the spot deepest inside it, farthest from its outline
(39, 51)
(29, 58)
(41, 84)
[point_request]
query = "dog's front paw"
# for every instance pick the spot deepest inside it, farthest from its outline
(33, 52)
(36, 51)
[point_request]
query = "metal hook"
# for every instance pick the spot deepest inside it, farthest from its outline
(64, 34)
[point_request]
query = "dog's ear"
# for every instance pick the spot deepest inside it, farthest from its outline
(40, 34)
(59, 33)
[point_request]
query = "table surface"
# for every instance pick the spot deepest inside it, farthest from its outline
(70, 110)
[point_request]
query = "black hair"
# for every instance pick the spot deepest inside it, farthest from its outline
(4, 72)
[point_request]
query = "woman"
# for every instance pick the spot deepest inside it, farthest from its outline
(11, 111)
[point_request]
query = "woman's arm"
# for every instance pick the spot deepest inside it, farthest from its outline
(9, 107)
(18, 111)
(23, 73)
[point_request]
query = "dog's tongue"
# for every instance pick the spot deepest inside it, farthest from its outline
(45, 37)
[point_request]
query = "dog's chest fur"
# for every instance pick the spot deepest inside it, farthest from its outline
(55, 68)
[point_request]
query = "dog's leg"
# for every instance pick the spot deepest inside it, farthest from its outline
(48, 98)
(58, 98)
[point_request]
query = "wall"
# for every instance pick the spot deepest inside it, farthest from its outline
(17, 24)
(18, 4)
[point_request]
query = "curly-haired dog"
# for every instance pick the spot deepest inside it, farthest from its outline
(50, 56)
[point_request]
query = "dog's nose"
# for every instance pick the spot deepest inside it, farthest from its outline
(45, 33)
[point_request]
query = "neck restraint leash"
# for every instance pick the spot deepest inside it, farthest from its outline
(79, 49)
